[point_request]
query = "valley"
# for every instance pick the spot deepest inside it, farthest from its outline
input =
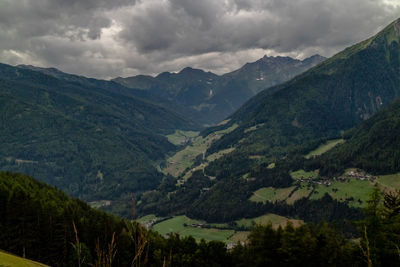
(282, 162)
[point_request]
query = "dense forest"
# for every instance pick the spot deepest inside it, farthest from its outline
(41, 223)
(93, 139)
(374, 146)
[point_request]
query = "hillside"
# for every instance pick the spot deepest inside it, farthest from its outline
(373, 146)
(42, 223)
(215, 97)
(264, 142)
(7, 259)
(93, 139)
(335, 95)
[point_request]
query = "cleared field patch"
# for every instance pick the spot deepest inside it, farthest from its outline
(273, 219)
(302, 191)
(9, 260)
(182, 160)
(188, 227)
(302, 174)
(240, 236)
(185, 158)
(219, 154)
(147, 219)
(208, 234)
(271, 165)
(271, 194)
(353, 191)
(390, 182)
(324, 147)
(209, 159)
(181, 137)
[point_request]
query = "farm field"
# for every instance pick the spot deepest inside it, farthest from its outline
(181, 161)
(324, 147)
(271, 194)
(274, 219)
(301, 174)
(304, 190)
(391, 181)
(183, 226)
(147, 218)
(9, 260)
(181, 137)
(239, 236)
(355, 191)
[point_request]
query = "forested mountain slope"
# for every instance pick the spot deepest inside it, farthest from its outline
(335, 95)
(92, 139)
(373, 146)
(259, 151)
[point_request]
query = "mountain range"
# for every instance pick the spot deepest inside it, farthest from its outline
(264, 143)
(105, 140)
(215, 97)
(100, 140)
(93, 139)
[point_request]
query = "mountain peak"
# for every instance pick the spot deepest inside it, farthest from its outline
(268, 59)
(188, 70)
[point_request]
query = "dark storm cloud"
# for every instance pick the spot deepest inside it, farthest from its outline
(104, 38)
(195, 27)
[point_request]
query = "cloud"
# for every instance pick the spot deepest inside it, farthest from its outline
(101, 38)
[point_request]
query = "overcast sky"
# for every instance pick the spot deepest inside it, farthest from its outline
(110, 38)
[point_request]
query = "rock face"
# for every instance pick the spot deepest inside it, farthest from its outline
(215, 97)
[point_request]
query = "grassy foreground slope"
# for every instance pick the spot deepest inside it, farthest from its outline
(9, 260)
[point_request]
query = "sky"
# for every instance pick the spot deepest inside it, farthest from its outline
(110, 38)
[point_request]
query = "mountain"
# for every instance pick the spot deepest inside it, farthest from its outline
(254, 148)
(334, 96)
(215, 97)
(94, 139)
(373, 146)
(270, 71)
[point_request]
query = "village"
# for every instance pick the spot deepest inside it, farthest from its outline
(352, 174)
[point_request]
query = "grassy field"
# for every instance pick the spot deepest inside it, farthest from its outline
(324, 147)
(181, 137)
(302, 191)
(147, 218)
(177, 225)
(271, 165)
(390, 182)
(183, 226)
(301, 174)
(240, 236)
(353, 188)
(209, 159)
(184, 159)
(274, 219)
(9, 260)
(271, 194)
